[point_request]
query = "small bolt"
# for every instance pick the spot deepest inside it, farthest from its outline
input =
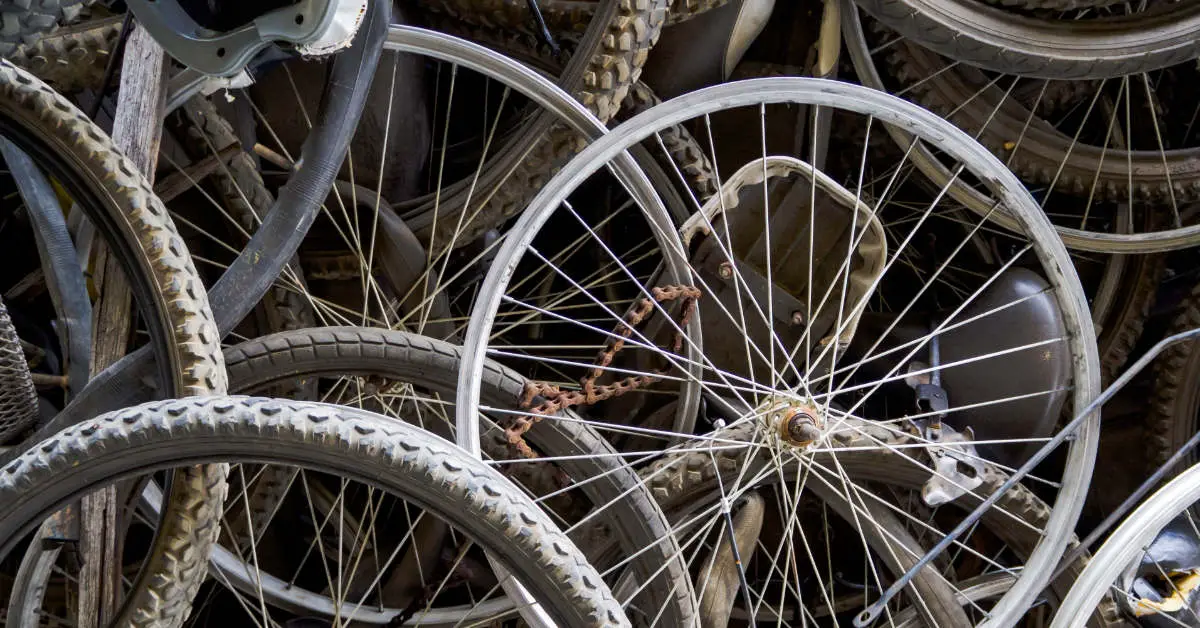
(797, 317)
(725, 270)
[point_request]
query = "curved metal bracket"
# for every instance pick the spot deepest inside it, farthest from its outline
(225, 54)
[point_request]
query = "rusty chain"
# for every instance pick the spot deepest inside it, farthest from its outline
(555, 399)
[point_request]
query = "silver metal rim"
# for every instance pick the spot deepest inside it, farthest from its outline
(541, 90)
(890, 110)
(1078, 239)
(1123, 546)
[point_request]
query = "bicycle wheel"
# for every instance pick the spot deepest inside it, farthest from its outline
(412, 378)
(170, 302)
(362, 264)
(409, 378)
(1068, 139)
(422, 475)
(1075, 46)
(1111, 161)
(808, 305)
(611, 44)
(684, 483)
(1149, 563)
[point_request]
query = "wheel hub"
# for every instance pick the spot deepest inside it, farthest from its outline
(798, 423)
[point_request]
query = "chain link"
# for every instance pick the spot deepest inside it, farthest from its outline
(554, 399)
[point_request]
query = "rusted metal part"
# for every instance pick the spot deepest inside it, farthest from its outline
(46, 380)
(799, 426)
(556, 399)
(62, 526)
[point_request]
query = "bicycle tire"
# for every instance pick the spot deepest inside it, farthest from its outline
(1045, 155)
(34, 19)
(434, 365)
(884, 109)
(18, 399)
(622, 41)
(1003, 41)
(353, 443)
(73, 57)
(560, 15)
(240, 186)
(1119, 332)
(1175, 403)
(136, 226)
(972, 199)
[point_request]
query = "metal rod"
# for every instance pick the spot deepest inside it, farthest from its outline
(1126, 505)
(872, 612)
(543, 30)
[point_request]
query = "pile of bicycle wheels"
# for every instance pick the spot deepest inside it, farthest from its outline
(714, 313)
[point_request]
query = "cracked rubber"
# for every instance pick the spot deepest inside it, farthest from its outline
(635, 521)
(134, 223)
(355, 444)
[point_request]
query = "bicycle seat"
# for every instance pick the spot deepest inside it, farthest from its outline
(219, 37)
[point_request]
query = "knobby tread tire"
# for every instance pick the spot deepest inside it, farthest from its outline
(354, 443)
(74, 57)
(683, 150)
(18, 398)
(26, 21)
(138, 226)
(615, 65)
(1175, 404)
(1001, 41)
(636, 521)
(562, 16)
(1123, 327)
(248, 200)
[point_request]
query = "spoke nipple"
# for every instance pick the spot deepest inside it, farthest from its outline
(725, 270)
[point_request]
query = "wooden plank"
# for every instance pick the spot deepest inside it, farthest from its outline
(136, 132)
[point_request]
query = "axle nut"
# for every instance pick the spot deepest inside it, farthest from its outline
(800, 428)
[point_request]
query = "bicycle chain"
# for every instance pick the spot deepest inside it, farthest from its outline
(555, 399)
